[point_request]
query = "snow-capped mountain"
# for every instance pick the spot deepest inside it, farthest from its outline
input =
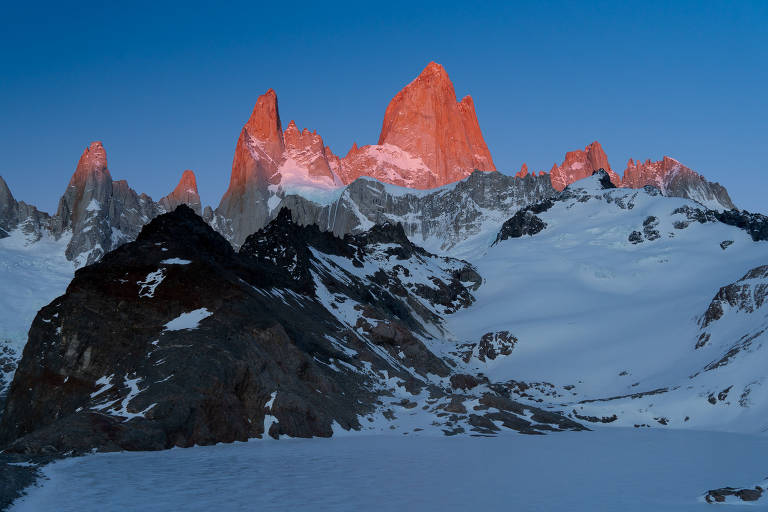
(597, 305)
(608, 293)
(407, 285)
(299, 333)
(430, 147)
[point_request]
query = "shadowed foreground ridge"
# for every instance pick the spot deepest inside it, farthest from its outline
(187, 342)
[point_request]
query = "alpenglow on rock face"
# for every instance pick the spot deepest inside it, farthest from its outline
(668, 175)
(98, 213)
(432, 129)
(581, 164)
(428, 140)
(675, 179)
(184, 193)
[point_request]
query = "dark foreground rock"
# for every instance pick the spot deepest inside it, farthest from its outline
(175, 339)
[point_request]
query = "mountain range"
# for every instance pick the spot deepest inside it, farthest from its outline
(408, 286)
(428, 142)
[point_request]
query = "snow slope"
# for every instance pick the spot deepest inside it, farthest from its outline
(607, 470)
(598, 317)
(32, 273)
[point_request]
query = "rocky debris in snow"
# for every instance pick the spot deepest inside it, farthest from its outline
(464, 381)
(755, 224)
(524, 222)
(605, 179)
(722, 495)
(595, 419)
(649, 225)
(747, 294)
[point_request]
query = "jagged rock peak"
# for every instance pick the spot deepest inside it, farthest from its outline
(523, 171)
(6, 197)
(264, 124)
(580, 164)
(675, 179)
(425, 120)
(92, 164)
(184, 193)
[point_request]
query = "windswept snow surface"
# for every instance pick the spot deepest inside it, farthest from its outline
(606, 470)
(598, 317)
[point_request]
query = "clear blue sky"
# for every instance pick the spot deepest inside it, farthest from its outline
(169, 88)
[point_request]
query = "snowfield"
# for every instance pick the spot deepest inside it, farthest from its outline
(32, 274)
(599, 317)
(606, 470)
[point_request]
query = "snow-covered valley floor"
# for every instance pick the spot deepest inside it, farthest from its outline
(614, 469)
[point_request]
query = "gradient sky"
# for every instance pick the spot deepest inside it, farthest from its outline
(169, 88)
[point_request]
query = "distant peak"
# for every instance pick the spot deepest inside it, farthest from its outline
(264, 123)
(184, 193)
(92, 164)
(187, 182)
(433, 68)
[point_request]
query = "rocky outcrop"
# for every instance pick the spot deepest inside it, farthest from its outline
(521, 223)
(581, 164)
(735, 495)
(748, 294)
(184, 193)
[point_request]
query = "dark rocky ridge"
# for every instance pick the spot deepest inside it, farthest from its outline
(271, 355)
(252, 345)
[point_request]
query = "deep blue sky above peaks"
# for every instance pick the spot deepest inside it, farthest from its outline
(168, 86)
